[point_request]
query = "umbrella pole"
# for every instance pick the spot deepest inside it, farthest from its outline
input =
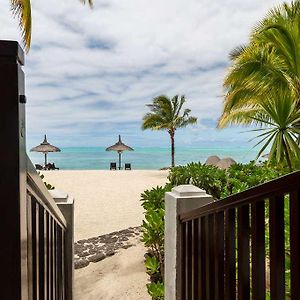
(120, 153)
(45, 158)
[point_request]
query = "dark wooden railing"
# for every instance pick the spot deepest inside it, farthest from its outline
(46, 239)
(34, 233)
(246, 246)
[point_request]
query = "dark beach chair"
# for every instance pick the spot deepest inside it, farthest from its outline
(39, 167)
(113, 166)
(127, 166)
(50, 166)
(54, 167)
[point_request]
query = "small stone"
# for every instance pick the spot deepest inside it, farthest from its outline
(97, 257)
(83, 254)
(110, 253)
(127, 246)
(81, 263)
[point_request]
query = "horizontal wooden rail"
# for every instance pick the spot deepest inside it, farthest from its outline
(36, 187)
(280, 185)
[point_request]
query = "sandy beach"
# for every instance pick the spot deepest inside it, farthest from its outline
(107, 201)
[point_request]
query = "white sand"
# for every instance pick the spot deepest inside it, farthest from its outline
(106, 201)
(120, 277)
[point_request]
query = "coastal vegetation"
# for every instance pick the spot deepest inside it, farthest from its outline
(22, 10)
(153, 238)
(263, 90)
(167, 114)
(263, 84)
(216, 182)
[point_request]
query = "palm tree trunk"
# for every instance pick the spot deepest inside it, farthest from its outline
(172, 133)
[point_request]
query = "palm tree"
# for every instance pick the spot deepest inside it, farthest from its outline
(267, 66)
(277, 117)
(166, 115)
(22, 9)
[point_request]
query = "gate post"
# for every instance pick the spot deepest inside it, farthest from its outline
(13, 223)
(65, 203)
(181, 199)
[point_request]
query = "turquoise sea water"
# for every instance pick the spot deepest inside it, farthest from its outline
(96, 158)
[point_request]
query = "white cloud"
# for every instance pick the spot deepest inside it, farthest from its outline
(145, 48)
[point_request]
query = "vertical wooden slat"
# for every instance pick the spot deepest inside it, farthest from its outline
(63, 261)
(243, 253)
(41, 252)
(46, 261)
(295, 244)
(189, 248)
(196, 260)
(59, 263)
(258, 250)
(230, 269)
(30, 245)
(202, 259)
(184, 260)
(55, 258)
(52, 259)
(209, 253)
(277, 255)
(219, 255)
(34, 248)
(49, 258)
(37, 267)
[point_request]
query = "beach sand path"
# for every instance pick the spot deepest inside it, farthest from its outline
(107, 201)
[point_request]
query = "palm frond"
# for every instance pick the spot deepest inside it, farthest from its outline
(22, 10)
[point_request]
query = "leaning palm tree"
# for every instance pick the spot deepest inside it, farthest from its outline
(22, 10)
(166, 114)
(269, 62)
(267, 66)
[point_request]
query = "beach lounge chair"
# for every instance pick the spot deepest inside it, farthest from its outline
(50, 166)
(39, 167)
(113, 166)
(127, 166)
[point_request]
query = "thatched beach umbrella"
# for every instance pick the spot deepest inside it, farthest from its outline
(119, 147)
(45, 147)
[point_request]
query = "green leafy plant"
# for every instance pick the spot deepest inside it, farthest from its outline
(153, 237)
(152, 265)
(156, 290)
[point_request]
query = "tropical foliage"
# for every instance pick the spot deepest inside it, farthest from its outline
(216, 182)
(166, 114)
(153, 238)
(22, 10)
(220, 183)
(265, 78)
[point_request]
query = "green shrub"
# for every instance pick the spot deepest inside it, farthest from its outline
(156, 290)
(153, 238)
(221, 183)
(216, 182)
(209, 178)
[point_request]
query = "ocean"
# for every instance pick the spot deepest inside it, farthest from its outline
(96, 158)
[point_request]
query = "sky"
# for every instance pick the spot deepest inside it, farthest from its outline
(90, 73)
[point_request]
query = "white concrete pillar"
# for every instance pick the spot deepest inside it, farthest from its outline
(181, 199)
(65, 203)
